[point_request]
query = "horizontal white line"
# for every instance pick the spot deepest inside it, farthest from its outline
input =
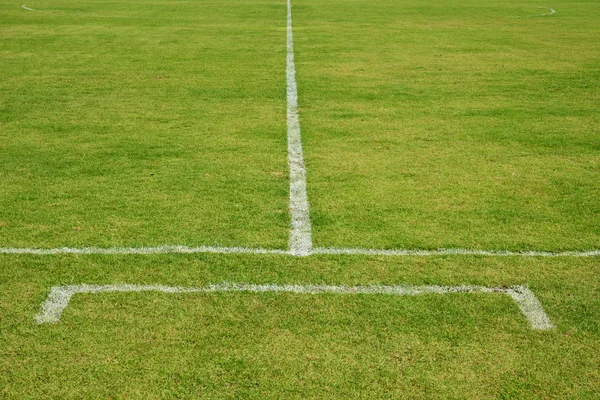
(60, 296)
(448, 252)
(167, 249)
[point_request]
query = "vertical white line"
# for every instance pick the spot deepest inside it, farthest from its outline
(300, 235)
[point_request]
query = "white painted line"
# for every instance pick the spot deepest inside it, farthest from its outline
(57, 301)
(552, 11)
(300, 235)
(30, 9)
(166, 249)
(450, 252)
(55, 13)
(60, 296)
(141, 250)
(530, 307)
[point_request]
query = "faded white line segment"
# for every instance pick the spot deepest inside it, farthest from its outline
(141, 250)
(58, 14)
(30, 9)
(552, 11)
(315, 251)
(60, 296)
(450, 252)
(300, 235)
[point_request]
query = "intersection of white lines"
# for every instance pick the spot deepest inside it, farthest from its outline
(300, 243)
(300, 238)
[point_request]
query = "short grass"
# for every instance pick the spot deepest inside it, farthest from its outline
(425, 124)
(150, 345)
(163, 126)
(451, 124)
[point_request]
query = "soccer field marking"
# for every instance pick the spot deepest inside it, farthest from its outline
(300, 243)
(58, 13)
(78, 15)
(552, 11)
(168, 249)
(454, 251)
(300, 238)
(60, 296)
(30, 9)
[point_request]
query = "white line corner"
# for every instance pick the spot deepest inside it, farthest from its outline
(58, 300)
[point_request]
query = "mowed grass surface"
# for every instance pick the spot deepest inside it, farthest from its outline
(152, 345)
(143, 123)
(451, 124)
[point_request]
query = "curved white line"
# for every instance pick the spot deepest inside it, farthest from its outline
(552, 11)
(30, 9)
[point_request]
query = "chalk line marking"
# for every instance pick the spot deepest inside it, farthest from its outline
(300, 242)
(300, 235)
(59, 14)
(450, 252)
(316, 251)
(141, 250)
(60, 296)
(30, 9)
(552, 11)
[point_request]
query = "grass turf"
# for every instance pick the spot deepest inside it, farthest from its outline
(444, 124)
(424, 124)
(161, 129)
(152, 345)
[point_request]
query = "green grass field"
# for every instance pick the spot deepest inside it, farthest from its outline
(436, 124)
(425, 125)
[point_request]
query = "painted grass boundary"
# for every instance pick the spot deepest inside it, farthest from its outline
(300, 237)
(30, 9)
(59, 297)
(167, 249)
(455, 251)
(301, 232)
(552, 11)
